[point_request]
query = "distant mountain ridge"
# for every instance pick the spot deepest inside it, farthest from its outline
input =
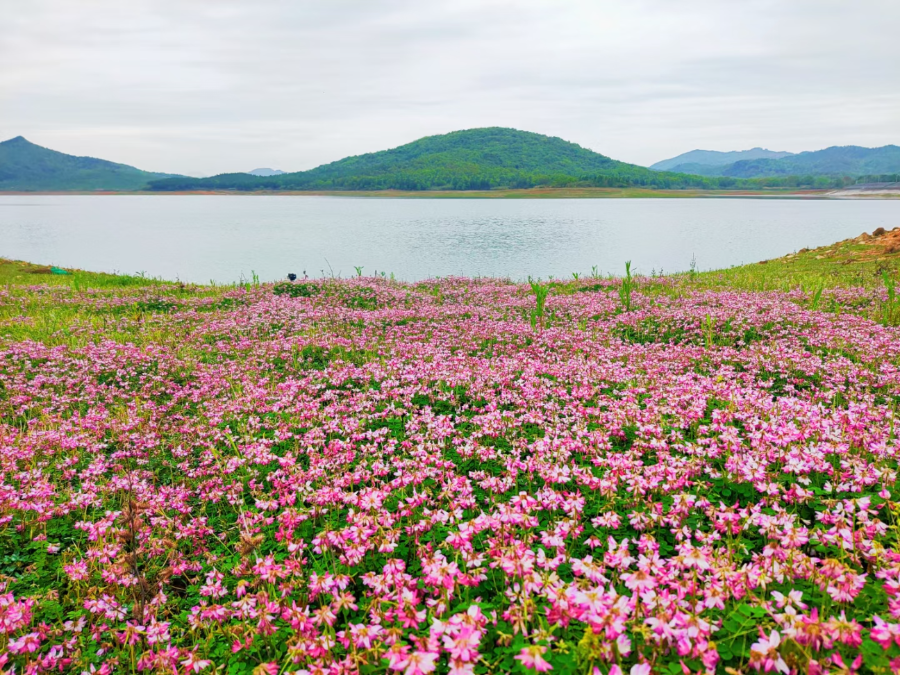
(715, 158)
(266, 172)
(472, 159)
(848, 160)
(25, 166)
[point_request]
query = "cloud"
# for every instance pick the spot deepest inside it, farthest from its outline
(208, 86)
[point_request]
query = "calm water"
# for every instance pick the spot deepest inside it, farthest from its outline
(198, 238)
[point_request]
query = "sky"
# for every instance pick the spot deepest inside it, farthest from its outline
(201, 87)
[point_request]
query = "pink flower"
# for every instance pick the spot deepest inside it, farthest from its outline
(532, 657)
(158, 632)
(195, 664)
(885, 633)
(458, 667)
(77, 570)
(27, 643)
(464, 645)
(420, 663)
(639, 581)
(764, 654)
(363, 635)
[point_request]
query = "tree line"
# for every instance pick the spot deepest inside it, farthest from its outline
(492, 179)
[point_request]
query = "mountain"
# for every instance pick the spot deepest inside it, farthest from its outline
(698, 158)
(848, 160)
(698, 169)
(843, 161)
(474, 159)
(25, 166)
(266, 172)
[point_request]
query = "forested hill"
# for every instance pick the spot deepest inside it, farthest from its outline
(475, 159)
(25, 166)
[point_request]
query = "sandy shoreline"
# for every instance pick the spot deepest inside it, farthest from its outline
(864, 194)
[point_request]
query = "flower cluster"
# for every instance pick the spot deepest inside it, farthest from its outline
(414, 478)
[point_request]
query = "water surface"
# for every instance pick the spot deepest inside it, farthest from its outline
(224, 238)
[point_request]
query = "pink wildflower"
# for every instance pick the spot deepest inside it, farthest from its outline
(764, 654)
(533, 657)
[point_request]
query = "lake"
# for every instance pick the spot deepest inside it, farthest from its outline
(224, 238)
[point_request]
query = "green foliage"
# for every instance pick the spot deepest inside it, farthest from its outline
(739, 631)
(626, 288)
(296, 290)
(155, 305)
(817, 297)
(361, 298)
(889, 309)
(540, 299)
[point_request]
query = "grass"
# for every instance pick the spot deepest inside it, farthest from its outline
(25, 273)
(59, 309)
(853, 262)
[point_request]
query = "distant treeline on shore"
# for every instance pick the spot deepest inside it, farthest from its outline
(490, 180)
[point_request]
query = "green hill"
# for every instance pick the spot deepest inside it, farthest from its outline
(25, 166)
(474, 159)
(850, 160)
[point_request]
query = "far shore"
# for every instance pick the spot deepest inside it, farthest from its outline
(530, 193)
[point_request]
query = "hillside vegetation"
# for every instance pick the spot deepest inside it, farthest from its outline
(475, 159)
(25, 166)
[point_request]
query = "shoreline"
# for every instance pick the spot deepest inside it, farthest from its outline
(530, 193)
(847, 258)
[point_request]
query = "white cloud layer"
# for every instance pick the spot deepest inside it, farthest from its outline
(210, 86)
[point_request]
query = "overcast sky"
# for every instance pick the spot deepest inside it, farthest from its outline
(210, 86)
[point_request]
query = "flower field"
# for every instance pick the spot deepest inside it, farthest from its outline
(342, 476)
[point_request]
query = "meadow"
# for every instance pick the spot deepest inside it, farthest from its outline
(689, 473)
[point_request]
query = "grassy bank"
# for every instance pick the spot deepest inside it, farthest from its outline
(859, 262)
(25, 273)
